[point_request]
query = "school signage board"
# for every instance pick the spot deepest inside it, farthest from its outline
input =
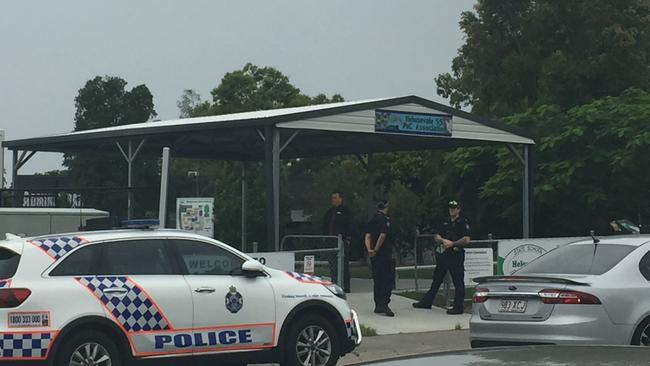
(514, 254)
(196, 214)
(479, 262)
(309, 264)
(284, 261)
(209, 264)
(412, 123)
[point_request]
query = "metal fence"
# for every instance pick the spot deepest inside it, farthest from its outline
(318, 247)
(424, 258)
(327, 249)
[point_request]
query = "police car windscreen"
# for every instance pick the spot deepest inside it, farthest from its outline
(8, 263)
(587, 259)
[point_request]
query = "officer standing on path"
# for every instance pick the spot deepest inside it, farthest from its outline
(338, 221)
(379, 244)
(450, 256)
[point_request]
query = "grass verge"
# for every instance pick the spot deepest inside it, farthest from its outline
(368, 331)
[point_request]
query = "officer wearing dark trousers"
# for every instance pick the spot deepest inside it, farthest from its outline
(379, 244)
(450, 257)
(338, 221)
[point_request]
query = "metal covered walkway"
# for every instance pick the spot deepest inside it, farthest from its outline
(407, 123)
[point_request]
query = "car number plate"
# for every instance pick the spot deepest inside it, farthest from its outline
(513, 306)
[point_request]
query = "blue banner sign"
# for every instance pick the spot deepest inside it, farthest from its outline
(412, 123)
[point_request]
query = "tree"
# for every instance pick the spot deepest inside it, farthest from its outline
(593, 169)
(105, 102)
(521, 52)
(249, 89)
(530, 63)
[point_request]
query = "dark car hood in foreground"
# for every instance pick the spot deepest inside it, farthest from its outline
(535, 355)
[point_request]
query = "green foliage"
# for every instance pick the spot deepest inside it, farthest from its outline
(521, 52)
(249, 89)
(367, 331)
(551, 67)
(592, 165)
(105, 102)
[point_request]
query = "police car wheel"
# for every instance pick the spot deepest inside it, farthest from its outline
(89, 348)
(312, 341)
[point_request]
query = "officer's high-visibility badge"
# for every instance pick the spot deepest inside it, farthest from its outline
(234, 300)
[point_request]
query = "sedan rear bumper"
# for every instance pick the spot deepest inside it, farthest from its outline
(568, 325)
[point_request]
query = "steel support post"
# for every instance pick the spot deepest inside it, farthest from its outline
(243, 206)
(130, 183)
(340, 256)
(14, 168)
(270, 186)
(276, 188)
(164, 176)
(526, 194)
(130, 157)
(2, 160)
(371, 187)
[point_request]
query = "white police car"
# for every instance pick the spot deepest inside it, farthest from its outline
(107, 298)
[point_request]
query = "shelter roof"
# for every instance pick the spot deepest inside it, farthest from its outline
(326, 129)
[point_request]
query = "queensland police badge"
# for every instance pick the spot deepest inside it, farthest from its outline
(234, 300)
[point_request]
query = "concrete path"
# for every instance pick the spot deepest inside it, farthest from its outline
(365, 285)
(407, 319)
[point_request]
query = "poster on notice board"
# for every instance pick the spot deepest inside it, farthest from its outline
(195, 215)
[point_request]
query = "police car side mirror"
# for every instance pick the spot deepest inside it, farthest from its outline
(252, 268)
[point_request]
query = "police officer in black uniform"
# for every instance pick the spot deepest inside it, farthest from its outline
(450, 256)
(338, 221)
(379, 244)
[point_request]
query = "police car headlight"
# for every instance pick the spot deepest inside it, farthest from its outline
(336, 290)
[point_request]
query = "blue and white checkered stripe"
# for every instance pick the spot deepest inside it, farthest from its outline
(24, 345)
(58, 247)
(135, 311)
(303, 277)
(349, 329)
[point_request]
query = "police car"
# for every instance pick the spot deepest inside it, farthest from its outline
(110, 297)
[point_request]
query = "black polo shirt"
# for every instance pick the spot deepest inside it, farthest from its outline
(380, 224)
(456, 229)
(337, 220)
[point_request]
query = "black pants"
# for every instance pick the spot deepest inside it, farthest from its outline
(383, 278)
(454, 263)
(333, 264)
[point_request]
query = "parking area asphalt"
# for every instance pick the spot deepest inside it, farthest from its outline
(398, 345)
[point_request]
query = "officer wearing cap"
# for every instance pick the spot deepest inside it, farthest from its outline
(450, 256)
(379, 244)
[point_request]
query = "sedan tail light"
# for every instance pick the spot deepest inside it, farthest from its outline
(480, 295)
(552, 296)
(13, 297)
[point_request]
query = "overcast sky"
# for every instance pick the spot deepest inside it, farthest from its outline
(360, 49)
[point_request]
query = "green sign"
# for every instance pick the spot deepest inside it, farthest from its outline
(412, 123)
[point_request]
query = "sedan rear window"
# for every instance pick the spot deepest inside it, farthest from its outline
(8, 263)
(588, 259)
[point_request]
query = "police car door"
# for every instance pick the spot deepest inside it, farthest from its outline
(143, 291)
(231, 311)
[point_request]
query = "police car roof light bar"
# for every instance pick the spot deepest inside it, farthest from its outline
(143, 224)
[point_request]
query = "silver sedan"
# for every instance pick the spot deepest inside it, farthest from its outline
(588, 292)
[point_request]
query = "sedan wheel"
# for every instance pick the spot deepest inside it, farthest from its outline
(644, 339)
